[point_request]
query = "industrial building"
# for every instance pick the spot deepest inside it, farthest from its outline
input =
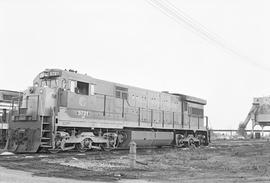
(259, 115)
(7, 100)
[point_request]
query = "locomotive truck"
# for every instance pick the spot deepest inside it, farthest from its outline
(65, 110)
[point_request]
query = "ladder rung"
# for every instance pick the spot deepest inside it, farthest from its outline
(45, 145)
(46, 130)
(45, 138)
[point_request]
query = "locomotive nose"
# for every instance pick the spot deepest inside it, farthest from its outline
(29, 120)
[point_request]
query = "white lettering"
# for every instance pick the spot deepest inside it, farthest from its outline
(83, 114)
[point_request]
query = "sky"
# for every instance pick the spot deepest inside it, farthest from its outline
(134, 43)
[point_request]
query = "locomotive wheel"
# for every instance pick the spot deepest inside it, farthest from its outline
(80, 148)
(113, 142)
(56, 146)
(54, 151)
(104, 147)
(201, 139)
(180, 143)
(84, 145)
(122, 137)
(190, 142)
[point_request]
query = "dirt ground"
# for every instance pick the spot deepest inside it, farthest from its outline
(221, 161)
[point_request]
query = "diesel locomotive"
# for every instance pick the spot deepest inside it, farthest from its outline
(65, 110)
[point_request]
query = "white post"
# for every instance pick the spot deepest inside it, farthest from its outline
(132, 154)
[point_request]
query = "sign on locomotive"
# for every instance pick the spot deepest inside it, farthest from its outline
(65, 110)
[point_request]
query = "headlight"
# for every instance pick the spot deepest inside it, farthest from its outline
(46, 74)
(31, 90)
(41, 75)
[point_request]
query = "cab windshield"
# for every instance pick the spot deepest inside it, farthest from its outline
(52, 83)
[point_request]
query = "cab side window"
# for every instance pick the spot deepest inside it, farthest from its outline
(82, 88)
(121, 92)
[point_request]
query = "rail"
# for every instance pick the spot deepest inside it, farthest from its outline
(233, 130)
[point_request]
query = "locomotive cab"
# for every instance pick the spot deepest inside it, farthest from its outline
(34, 123)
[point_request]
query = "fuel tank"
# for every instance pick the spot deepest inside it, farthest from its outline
(149, 138)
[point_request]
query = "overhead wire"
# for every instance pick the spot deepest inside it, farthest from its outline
(180, 17)
(165, 10)
(188, 21)
(193, 21)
